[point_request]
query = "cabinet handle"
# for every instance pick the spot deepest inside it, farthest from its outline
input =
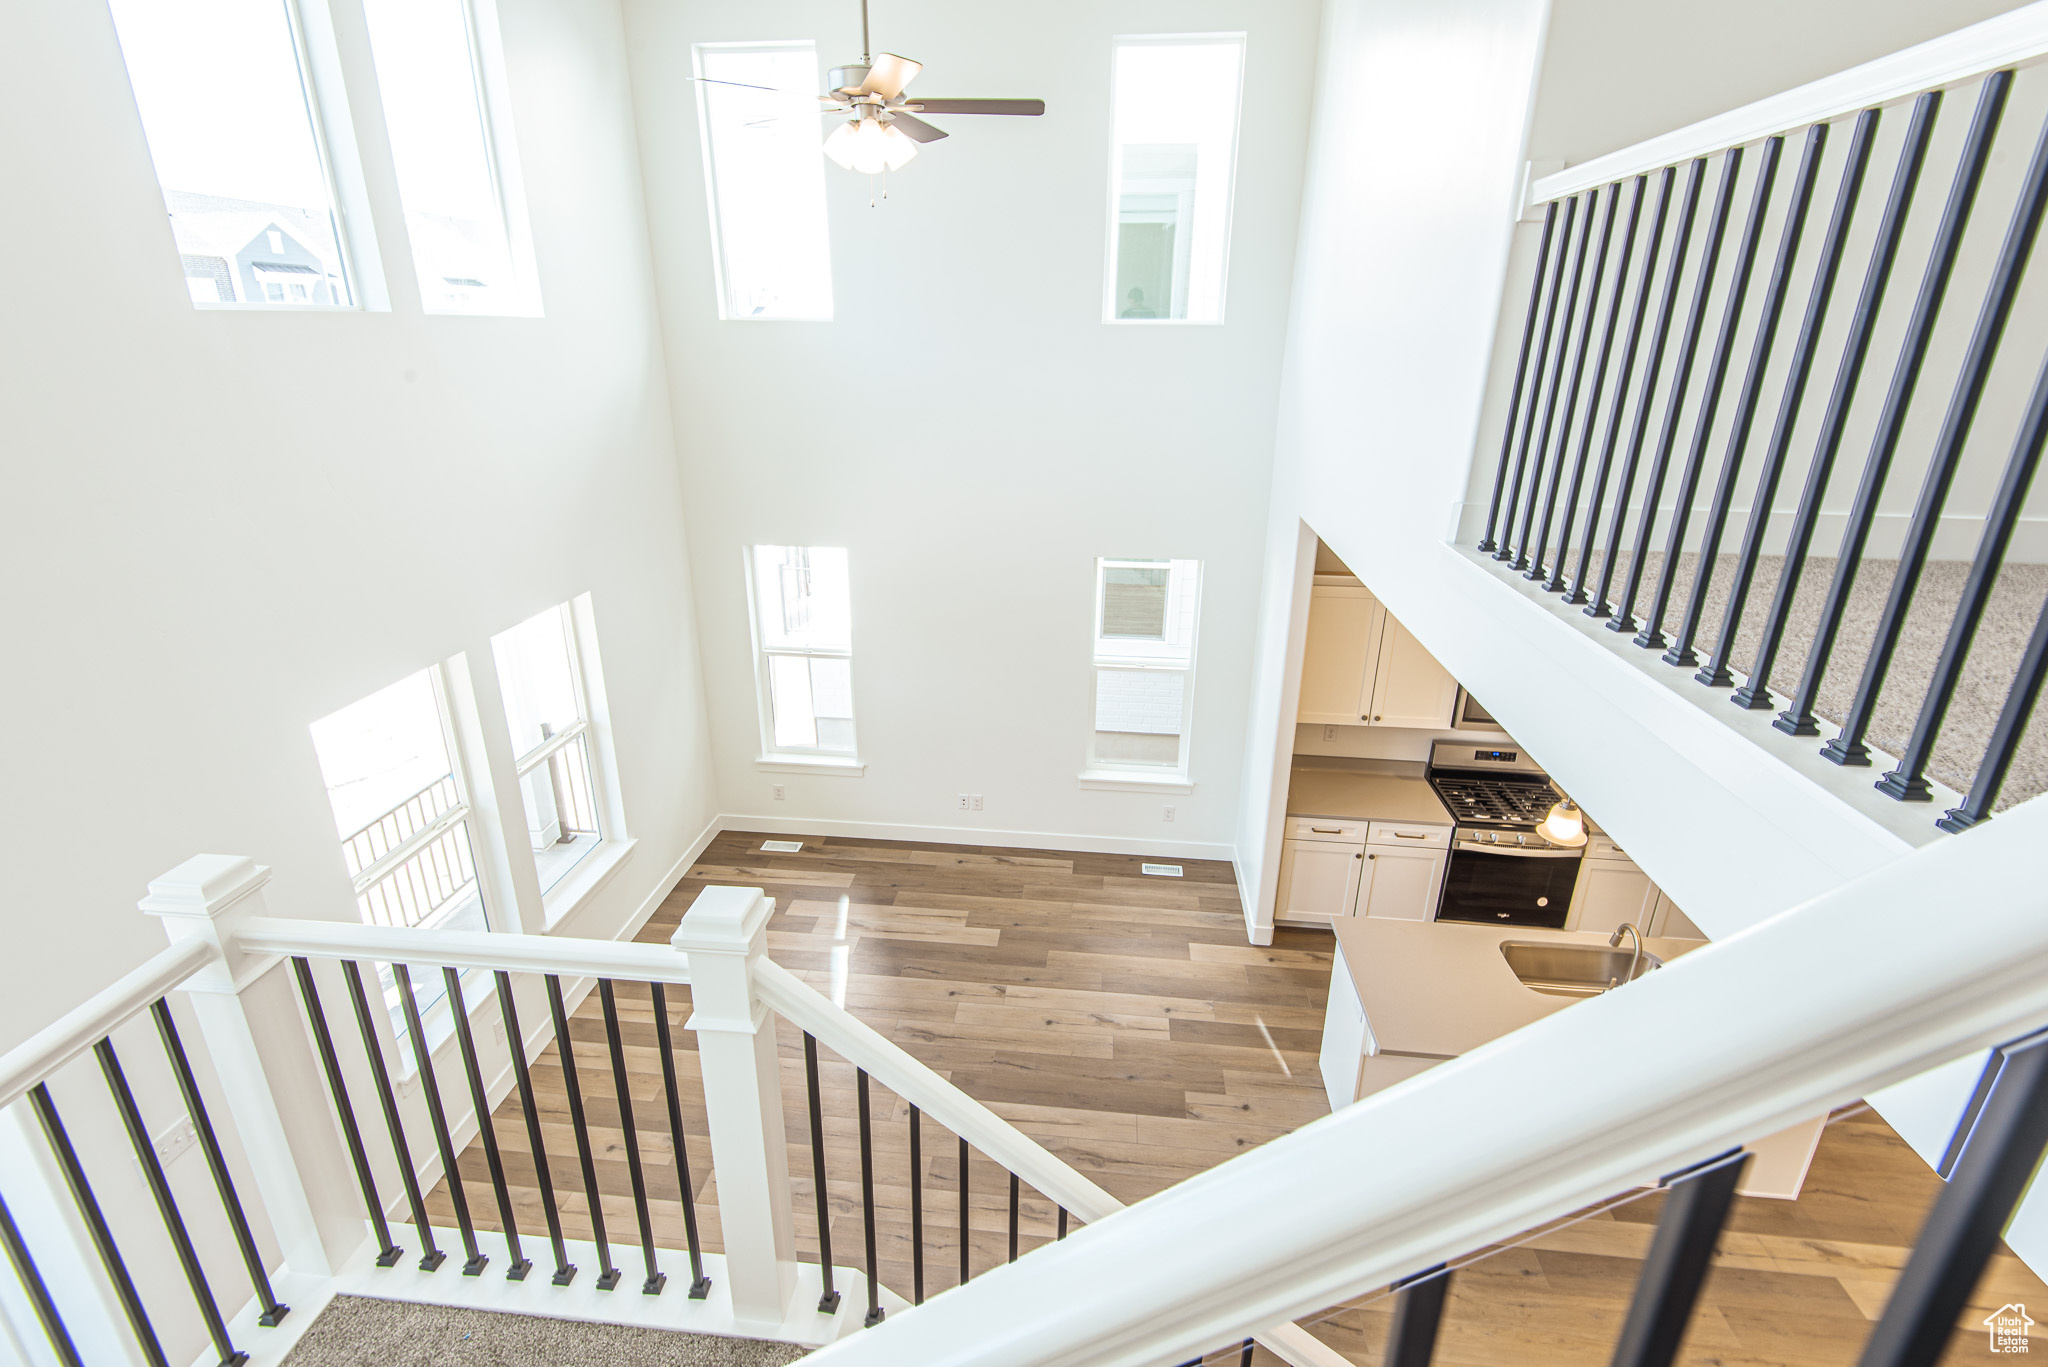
(1403, 835)
(1372, 856)
(1359, 855)
(1375, 718)
(1327, 830)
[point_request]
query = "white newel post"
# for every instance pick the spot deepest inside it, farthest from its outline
(273, 1089)
(724, 932)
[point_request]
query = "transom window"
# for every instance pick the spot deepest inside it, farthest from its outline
(803, 631)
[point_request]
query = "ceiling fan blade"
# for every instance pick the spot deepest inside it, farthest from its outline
(889, 75)
(917, 129)
(744, 85)
(1026, 107)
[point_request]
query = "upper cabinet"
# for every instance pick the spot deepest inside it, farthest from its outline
(1362, 668)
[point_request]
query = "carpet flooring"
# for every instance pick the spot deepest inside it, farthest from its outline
(357, 1331)
(1994, 657)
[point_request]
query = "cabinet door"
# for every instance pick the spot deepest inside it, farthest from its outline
(1671, 922)
(1344, 1033)
(1409, 687)
(1609, 892)
(1318, 880)
(1337, 663)
(1403, 885)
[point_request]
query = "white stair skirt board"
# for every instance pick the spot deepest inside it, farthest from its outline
(537, 1295)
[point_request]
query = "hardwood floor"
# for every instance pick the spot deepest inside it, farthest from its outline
(1123, 1022)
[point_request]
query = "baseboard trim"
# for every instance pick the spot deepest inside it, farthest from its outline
(977, 835)
(666, 884)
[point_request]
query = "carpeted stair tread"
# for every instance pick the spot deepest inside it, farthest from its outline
(358, 1331)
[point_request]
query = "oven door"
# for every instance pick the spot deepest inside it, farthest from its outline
(1509, 886)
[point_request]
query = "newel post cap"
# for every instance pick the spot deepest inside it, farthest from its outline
(725, 921)
(205, 898)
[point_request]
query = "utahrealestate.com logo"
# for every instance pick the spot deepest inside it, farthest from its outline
(2008, 1328)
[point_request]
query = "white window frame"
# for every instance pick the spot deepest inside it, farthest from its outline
(1184, 589)
(783, 759)
(1114, 215)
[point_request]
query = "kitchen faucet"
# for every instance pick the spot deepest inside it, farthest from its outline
(1614, 942)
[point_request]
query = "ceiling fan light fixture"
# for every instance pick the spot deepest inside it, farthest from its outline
(869, 146)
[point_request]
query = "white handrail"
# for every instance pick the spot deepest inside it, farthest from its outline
(2008, 39)
(1942, 953)
(79, 1029)
(561, 955)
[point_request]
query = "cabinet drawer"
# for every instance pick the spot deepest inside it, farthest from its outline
(1412, 837)
(1308, 828)
(1603, 847)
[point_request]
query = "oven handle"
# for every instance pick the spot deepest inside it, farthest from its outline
(1517, 852)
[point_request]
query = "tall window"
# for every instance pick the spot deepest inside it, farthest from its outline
(804, 634)
(540, 679)
(1145, 618)
(764, 175)
(452, 156)
(1173, 157)
(224, 96)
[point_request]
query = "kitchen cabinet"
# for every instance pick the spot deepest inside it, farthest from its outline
(1351, 1063)
(1671, 923)
(1404, 871)
(1319, 877)
(1360, 667)
(1389, 869)
(1612, 889)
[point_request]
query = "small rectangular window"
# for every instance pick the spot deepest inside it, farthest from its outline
(1173, 157)
(467, 229)
(803, 632)
(1145, 617)
(764, 175)
(226, 104)
(541, 681)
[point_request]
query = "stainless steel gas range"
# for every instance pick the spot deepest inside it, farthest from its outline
(1502, 870)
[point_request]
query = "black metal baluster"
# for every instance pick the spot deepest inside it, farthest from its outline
(1014, 1197)
(622, 1084)
(1884, 253)
(608, 1276)
(916, 1208)
(1769, 315)
(1543, 337)
(1571, 396)
(700, 1285)
(1507, 434)
(486, 1127)
(1715, 671)
(423, 1061)
(1681, 381)
(309, 997)
(1945, 458)
(1571, 499)
(2005, 735)
(96, 1225)
(1555, 383)
(828, 1303)
(1245, 1358)
(1696, 1205)
(867, 1201)
(31, 1279)
(274, 1310)
(1063, 1224)
(1798, 718)
(373, 1050)
(1998, 1160)
(166, 1204)
(1418, 1313)
(966, 1263)
(515, 1042)
(1653, 369)
(1634, 336)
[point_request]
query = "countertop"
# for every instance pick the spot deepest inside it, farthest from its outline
(1441, 988)
(1364, 790)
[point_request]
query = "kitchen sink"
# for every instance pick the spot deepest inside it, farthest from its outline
(1572, 970)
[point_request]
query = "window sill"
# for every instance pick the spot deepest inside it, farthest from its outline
(1127, 781)
(818, 764)
(583, 882)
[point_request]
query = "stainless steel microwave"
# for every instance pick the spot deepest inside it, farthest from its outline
(1470, 716)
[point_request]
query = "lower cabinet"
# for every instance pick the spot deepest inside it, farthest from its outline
(1379, 868)
(1611, 890)
(1319, 879)
(1351, 1064)
(1402, 882)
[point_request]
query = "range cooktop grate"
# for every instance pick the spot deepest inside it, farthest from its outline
(1496, 802)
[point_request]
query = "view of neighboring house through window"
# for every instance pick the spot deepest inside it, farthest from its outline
(221, 86)
(539, 678)
(1145, 616)
(764, 175)
(451, 155)
(804, 633)
(1173, 157)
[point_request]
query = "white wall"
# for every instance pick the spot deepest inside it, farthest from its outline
(969, 430)
(223, 525)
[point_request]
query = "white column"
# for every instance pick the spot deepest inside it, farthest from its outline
(276, 1093)
(724, 932)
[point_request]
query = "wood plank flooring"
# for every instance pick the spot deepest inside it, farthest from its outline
(1123, 1022)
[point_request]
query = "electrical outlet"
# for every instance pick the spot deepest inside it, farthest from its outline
(778, 792)
(175, 1140)
(965, 801)
(1169, 812)
(1329, 733)
(977, 802)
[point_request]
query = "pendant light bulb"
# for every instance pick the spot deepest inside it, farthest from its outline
(869, 146)
(1564, 825)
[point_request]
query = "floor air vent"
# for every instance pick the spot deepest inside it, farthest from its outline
(1160, 870)
(785, 846)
